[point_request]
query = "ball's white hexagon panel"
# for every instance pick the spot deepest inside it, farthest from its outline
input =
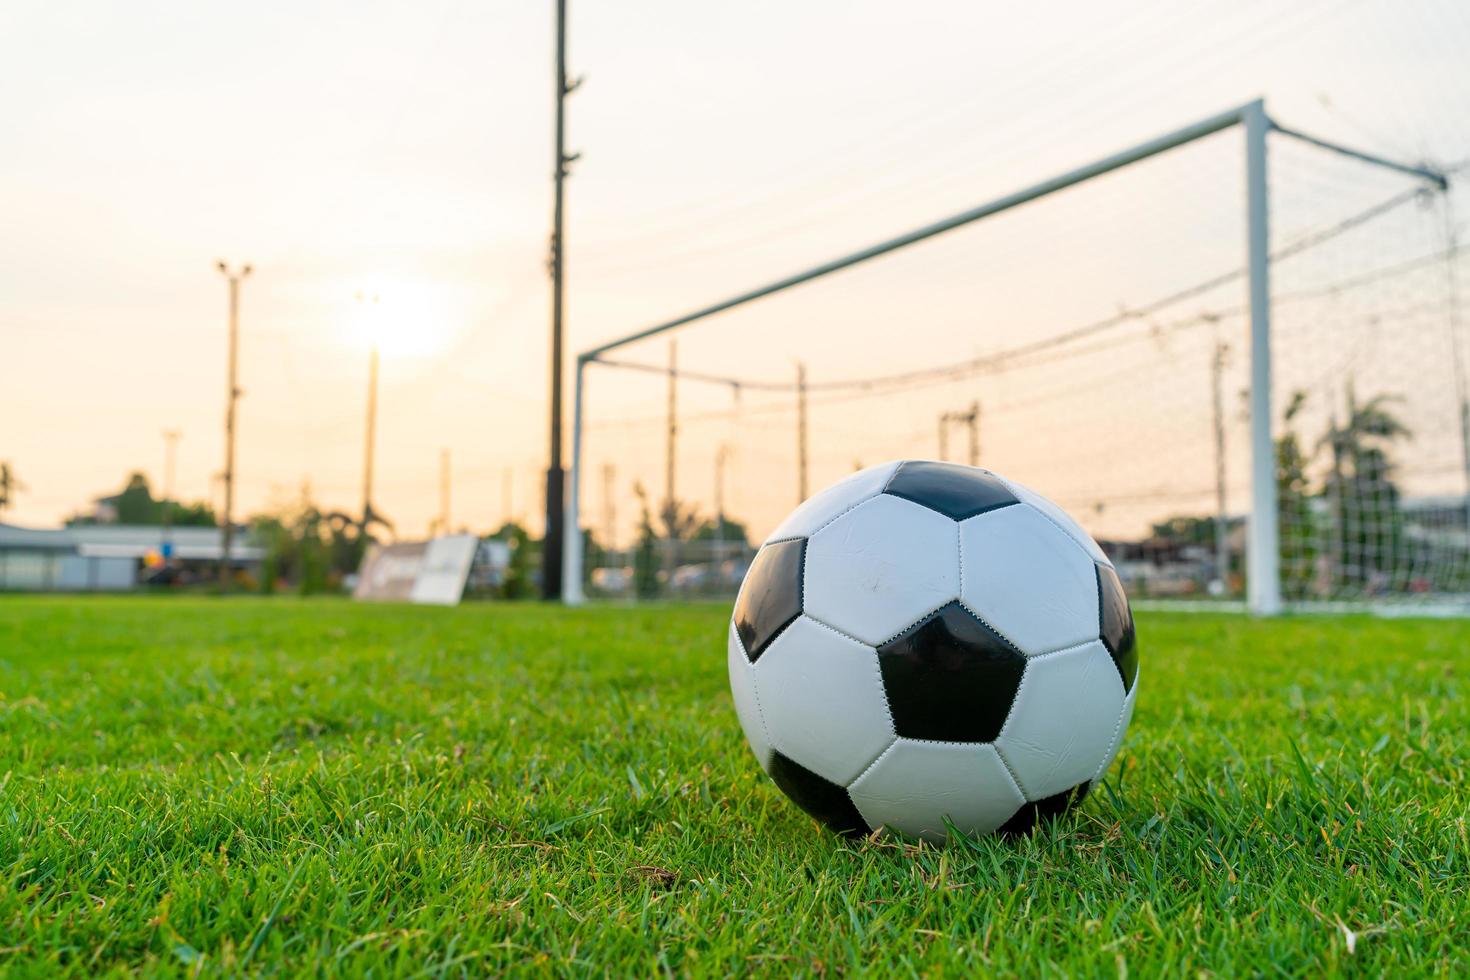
(1122, 731)
(821, 697)
(841, 496)
(1027, 578)
(1061, 726)
(915, 785)
(881, 567)
(1062, 519)
(742, 690)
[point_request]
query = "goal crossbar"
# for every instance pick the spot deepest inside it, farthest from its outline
(1263, 574)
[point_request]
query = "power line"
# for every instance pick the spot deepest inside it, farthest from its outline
(996, 359)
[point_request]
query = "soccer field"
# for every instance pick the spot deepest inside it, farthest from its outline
(310, 786)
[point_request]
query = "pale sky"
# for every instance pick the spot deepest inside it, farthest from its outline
(405, 149)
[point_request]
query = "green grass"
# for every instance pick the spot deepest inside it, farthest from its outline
(314, 787)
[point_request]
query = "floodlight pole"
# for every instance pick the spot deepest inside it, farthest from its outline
(227, 527)
(371, 426)
(1263, 555)
(553, 545)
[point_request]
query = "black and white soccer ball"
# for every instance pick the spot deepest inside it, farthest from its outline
(925, 645)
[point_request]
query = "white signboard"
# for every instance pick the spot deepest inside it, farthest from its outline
(424, 572)
(445, 569)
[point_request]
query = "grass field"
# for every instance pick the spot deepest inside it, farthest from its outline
(291, 787)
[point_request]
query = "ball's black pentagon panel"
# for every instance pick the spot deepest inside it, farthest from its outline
(1032, 814)
(950, 677)
(824, 800)
(1116, 625)
(956, 491)
(770, 597)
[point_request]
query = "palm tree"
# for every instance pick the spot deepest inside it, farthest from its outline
(1360, 486)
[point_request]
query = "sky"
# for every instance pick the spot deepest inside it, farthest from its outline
(403, 150)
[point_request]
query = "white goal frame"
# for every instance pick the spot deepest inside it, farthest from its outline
(1263, 572)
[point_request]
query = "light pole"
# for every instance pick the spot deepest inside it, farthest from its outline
(227, 526)
(551, 560)
(372, 418)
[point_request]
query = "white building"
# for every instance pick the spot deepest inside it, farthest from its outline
(107, 557)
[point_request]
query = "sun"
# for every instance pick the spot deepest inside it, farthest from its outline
(403, 317)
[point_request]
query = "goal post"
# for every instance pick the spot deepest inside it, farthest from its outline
(1262, 542)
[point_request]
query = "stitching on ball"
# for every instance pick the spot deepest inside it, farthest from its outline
(832, 629)
(1115, 742)
(924, 619)
(755, 695)
(990, 626)
(1006, 765)
(868, 499)
(869, 767)
(877, 669)
(1058, 652)
(959, 547)
(1052, 521)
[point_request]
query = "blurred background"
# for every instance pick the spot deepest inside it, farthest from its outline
(385, 171)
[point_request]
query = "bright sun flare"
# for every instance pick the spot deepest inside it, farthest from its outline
(402, 318)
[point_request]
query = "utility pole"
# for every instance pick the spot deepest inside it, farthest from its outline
(722, 453)
(974, 433)
(551, 552)
(507, 480)
(444, 491)
(227, 526)
(170, 451)
(609, 507)
(372, 418)
(1222, 545)
(671, 506)
(970, 418)
(801, 433)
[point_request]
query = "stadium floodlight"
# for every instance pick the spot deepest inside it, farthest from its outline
(1262, 543)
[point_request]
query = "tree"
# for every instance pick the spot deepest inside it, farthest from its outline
(645, 553)
(1367, 532)
(518, 583)
(10, 485)
(298, 540)
(1296, 543)
(135, 504)
(732, 532)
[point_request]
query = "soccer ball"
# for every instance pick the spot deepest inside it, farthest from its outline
(925, 645)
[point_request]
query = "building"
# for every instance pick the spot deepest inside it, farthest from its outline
(110, 557)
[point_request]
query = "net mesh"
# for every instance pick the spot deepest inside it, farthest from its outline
(1093, 344)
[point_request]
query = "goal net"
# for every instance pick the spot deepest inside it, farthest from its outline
(1094, 343)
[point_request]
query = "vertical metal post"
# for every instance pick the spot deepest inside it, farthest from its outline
(721, 453)
(1222, 521)
(1263, 556)
(551, 568)
(370, 438)
(609, 507)
(444, 491)
(671, 505)
(974, 433)
(801, 433)
(571, 593)
(227, 524)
